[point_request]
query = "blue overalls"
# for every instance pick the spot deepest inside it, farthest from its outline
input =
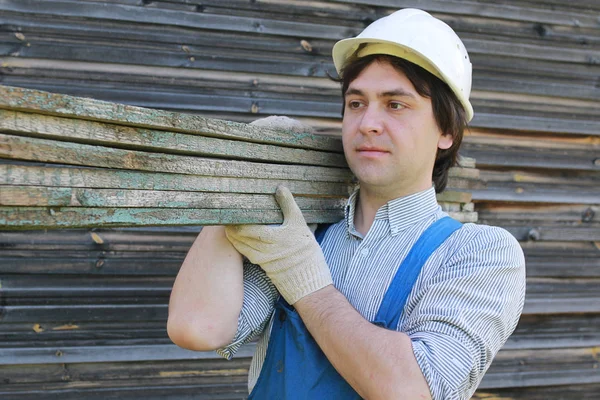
(295, 368)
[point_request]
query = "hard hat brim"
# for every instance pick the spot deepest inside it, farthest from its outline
(345, 48)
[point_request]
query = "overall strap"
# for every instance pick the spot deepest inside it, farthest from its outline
(408, 272)
(320, 232)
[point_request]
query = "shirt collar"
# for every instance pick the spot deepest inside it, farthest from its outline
(400, 213)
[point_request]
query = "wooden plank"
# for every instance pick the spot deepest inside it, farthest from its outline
(119, 198)
(454, 196)
(88, 132)
(101, 178)
(220, 59)
(522, 153)
(563, 266)
(578, 392)
(520, 31)
(139, 389)
(557, 296)
(535, 193)
(552, 259)
(165, 77)
(97, 289)
(552, 4)
(545, 223)
(464, 217)
(136, 239)
(142, 240)
(136, 14)
(555, 331)
(515, 368)
(556, 71)
(572, 214)
(101, 263)
(539, 52)
(84, 217)
(527, 368)
(542, 86)
(75, 313)
(51, 334)
(557, 233)
(536, 124)
(501, 11)
(86, 375)
(29, 100)
(43, 150)
(82, 354)
(562, 259)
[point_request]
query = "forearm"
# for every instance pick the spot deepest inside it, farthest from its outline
(207, 294)
(378, 363)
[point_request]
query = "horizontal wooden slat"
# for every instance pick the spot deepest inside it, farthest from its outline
(509, 152)
(29, 174)
(88, 132)
(545, 223)
(119, 198)
(75, 314)
(555, 331)
(526, 368)
(43, 150)
(84, 217)
(562, 259)
(168, 17)
(574, 215)
(551, 259)
(98, 263)
(511, 368)
(489, 10)
(544, 296)
(81, 354)
(552, 296)
(68, 106)
(217, 389)
(143, 240)
(579, 392)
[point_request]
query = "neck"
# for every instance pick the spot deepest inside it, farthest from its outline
(370, 201)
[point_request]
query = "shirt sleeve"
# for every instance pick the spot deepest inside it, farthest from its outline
(258, 305)
(467, 311)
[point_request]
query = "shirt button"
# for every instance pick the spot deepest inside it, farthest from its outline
(364, 252)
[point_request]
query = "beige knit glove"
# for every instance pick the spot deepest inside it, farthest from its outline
(288, 253)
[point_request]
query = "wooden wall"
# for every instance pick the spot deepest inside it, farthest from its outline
(82, 313)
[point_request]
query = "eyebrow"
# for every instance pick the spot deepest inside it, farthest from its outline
(389, 93)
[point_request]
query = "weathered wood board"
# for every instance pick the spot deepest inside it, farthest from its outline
(71, 162)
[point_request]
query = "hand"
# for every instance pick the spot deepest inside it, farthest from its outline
(288, 253)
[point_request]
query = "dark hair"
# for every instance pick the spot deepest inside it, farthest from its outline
(449, 113)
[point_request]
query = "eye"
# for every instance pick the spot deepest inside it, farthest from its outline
(354, 104)
(394, 105)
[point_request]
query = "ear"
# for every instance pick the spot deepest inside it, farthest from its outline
(445, 142)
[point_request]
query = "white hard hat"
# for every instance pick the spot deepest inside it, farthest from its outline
(415, 36)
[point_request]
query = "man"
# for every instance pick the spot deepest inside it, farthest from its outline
(396, 301)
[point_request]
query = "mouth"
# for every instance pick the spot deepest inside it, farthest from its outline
(370, 151)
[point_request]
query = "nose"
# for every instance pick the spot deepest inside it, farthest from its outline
(371, 122)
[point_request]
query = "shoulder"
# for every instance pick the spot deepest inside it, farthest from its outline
(486, 241)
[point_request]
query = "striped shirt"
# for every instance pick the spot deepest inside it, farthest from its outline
(465, 303)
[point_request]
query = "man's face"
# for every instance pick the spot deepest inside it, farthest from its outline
(389, 132)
